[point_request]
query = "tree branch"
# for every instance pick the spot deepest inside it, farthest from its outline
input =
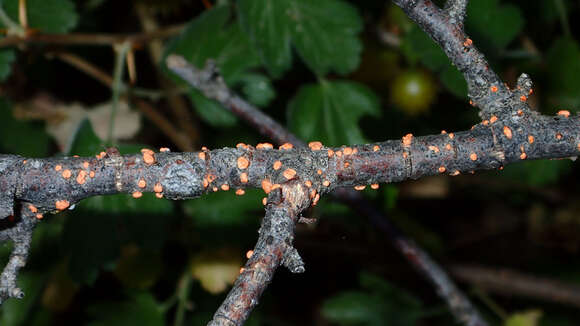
(486, 89)
(511, 283)
(19, 231)
(209, 82)
(456, 10)
(90, 39)
(273, 248)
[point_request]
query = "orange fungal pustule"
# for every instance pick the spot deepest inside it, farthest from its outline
(264, 146)
(243, 163)
(507, 132)
(407, 139)
(286, 146)
(61, 204)
(564, 113)
(289, 173)
(315, 145)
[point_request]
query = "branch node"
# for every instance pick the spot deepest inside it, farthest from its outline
(21, 235)
(525, 84)
(293, 261)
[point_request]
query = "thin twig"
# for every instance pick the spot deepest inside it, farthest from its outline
(182, 113)
(90, 39)
(120, 54)
(179, 139)
(512, 283)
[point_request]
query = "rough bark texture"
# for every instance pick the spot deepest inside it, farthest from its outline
(274, 248)
(209, 82)
(294, 178)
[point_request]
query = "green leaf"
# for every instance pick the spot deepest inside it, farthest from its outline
(141, 309)
(382, 304)
(91, 241)
(563, 58)
(377, 285)
(492, 24)
(6, 58)
(123, 204)
(211, 111)
(16, 312)
(86, 142)
(419, 46)
(211, 211)
(15, 135)
(354, 308)
(49, 16)
(212, 36)
(538, 173)
(258, 89)
(524, 318)
(454, 81)
(145, 220)
(329, 111)
(323, 32)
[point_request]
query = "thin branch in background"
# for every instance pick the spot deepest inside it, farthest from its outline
(207, 4)
(561, 7)
(181, 110)
(120, 55)
(178, 138)
(508, 282)
(22, 15)
(82, 38)
(209, 83)
(182, 296)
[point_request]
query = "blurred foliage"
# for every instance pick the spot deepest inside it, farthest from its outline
(335, 71)
(379, 304)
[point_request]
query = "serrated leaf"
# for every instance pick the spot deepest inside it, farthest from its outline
(6, 58)
(16, 312)
(316, 29)
(49, 16)
(330, 111)
(492, 24)
(563, 58)
(212, 35)
(140, 309)
(210, 211)
(15, 135)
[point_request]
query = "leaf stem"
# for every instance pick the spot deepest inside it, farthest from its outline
(183, 288)
(121, 53)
